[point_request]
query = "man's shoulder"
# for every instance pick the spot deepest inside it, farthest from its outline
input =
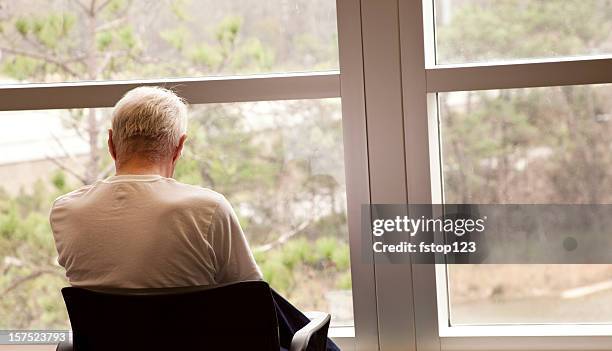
(73, 195)
(199, 195)
(63, 205)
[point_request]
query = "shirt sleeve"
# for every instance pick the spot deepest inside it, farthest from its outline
(52, 222)
(234, 259)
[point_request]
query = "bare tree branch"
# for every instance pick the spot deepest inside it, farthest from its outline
(80, 4)
(111, 24)
(9, 262)
(105, 61)
(67, 154)
(76, 127)
(29, 277)
(67, 169)
(282, 239)
(103, 5)
(75, 58)
(43, 57)
(92, 7)
(106, 171)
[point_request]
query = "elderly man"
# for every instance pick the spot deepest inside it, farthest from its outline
(140, 228)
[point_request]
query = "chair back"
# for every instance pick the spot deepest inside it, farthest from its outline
(238, 316)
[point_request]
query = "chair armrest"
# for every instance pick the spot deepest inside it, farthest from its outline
(302, 338)
(64, 346)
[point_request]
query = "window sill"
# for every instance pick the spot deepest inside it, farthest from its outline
(526, 338)
(528, 330)
(344, 337)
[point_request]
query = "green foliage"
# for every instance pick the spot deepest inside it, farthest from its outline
(481, 32)
(253, 54)
(281, 265)
(104, 40)
(345, 281)
(9, 222)
(178, 8)
(48, 30)
(227, 31)
(52, 29)
(177, 37)
(341, 257)
(326, 246)
(116, 6)
(276, 273)
(188, 171)
(298, 251)
(31, 280)
(127, 37)
(22, 26)
(205, 55)
(20, 67)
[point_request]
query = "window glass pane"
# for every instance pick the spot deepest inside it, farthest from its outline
(537, 145)
(70, 40)
(490, 30)
(280, 164)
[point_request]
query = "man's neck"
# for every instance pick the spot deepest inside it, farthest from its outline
(144, 168)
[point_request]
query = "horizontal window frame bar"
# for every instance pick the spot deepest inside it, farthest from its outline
(527, 343)
(528, 330)
(520, 74)
(206, 90)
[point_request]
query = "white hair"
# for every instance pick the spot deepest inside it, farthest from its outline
(148, 121)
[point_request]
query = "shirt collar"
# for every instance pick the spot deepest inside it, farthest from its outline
(133, 178)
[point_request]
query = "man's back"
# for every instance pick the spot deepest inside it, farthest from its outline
(138, 231)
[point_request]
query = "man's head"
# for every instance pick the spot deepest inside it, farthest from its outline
(148, 130)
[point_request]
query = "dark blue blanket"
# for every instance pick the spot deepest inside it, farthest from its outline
(290, 320)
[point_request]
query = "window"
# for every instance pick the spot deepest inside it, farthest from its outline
(493, 30)
(279, 163)
(516, 146)
(538, 145)
(73, 40)
(266, 130)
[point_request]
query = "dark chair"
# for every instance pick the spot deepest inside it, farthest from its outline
(238, 316)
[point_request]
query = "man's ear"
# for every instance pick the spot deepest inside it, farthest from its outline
(179, 149)
(111, 145)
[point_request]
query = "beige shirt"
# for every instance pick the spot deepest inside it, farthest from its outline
(145, 231)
